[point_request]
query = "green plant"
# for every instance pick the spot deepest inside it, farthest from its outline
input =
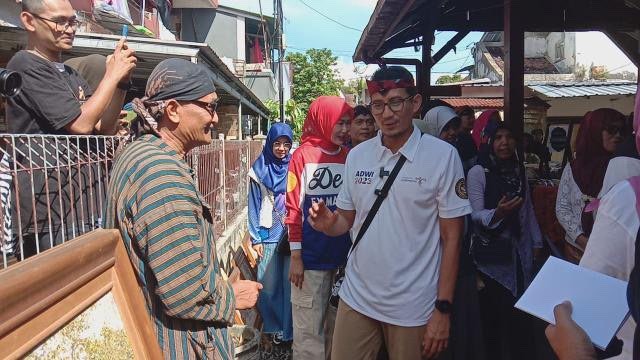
(313, 76)
(448, 79)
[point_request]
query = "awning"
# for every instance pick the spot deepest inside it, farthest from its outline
(151, 52)
(563, 90)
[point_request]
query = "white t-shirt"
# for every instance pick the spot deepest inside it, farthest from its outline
(392, 276)
(611, 246)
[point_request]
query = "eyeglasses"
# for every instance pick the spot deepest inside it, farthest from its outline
(211, 107)
(615, 129)
(61, 23)
(277, 144)
(395, 105)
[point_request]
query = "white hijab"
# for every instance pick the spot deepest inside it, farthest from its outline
(437, 118)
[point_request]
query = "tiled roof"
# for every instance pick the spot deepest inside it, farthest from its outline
(531, 65)
(475, 103)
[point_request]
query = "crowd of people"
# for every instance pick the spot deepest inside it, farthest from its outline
(381, 236)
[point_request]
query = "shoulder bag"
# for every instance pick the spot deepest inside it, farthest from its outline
(381, 195)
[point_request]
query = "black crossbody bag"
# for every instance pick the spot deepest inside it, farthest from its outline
(381, 195)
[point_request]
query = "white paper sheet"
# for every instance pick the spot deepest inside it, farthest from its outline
(599, 301)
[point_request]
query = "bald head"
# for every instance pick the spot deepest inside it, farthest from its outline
(33, 6)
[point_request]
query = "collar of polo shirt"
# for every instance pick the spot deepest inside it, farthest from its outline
(409, 149)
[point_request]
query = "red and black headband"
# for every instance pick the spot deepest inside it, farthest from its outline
(386, 85)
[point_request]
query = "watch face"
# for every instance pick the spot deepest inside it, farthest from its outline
(444, 306)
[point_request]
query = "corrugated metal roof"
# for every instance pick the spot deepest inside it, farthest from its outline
(584, 89)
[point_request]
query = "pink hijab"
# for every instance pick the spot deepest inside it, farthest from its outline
(479, 125)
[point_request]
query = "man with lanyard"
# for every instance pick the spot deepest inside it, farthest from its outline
(400, 281)
(54, 98)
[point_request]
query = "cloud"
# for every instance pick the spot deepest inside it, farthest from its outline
(364, 3)
(350, 71)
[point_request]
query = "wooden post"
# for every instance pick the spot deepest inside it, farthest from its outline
(425, 74)
(514, 66)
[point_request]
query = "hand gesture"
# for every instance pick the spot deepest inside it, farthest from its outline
(320, 217)
(506, 207)
(436, 337)
(121, 63)
(246, 293)
(567, 339)
(259, 249)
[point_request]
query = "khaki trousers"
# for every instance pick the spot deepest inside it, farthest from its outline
(358, 337)
(313, 317)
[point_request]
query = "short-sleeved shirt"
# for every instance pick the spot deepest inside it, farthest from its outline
(392, 276)
(167, 229)
(51, 96)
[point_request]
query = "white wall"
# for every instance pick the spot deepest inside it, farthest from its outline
(535, 46)
(580, 105)
(241, 38)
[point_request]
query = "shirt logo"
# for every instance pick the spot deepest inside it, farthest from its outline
(323, 178)
(363, 177)
(461, 189)
(414, 179)
(292, 181)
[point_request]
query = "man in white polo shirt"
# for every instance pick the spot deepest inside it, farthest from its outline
(400, 278)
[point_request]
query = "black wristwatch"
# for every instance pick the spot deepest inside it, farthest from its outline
(444, 306)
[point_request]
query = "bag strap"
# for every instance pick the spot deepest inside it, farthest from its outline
(381, 195)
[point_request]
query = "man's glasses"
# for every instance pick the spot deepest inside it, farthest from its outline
(395, 105)
(61, 24)
(211, 107)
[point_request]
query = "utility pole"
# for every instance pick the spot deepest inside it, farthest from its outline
(279, 21)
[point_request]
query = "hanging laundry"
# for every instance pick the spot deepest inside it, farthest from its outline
(117, 8)
(164, 10)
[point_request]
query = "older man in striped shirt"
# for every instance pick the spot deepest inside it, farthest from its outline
(166, 224)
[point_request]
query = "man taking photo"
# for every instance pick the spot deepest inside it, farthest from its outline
(54, 98)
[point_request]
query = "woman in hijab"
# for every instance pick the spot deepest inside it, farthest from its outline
(316, 174)
(444, 123)
(600, 133)
(505, 235)
(267, 193)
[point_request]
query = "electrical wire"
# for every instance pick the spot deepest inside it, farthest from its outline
(329, 18)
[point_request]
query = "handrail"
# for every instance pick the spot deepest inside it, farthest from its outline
(40, 295)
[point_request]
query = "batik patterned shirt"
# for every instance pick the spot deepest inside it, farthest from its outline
(168, 232)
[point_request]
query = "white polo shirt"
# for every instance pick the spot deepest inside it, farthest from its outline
(392, 275)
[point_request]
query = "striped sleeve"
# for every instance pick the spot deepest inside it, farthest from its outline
(171, 231)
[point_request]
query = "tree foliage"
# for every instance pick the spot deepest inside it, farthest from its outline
(313, 76)
(448, 79)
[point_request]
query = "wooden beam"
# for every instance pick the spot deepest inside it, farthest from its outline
(446, 90)
(514, 66)
(449, 45)
(628, 45)
(400, 16)
(427, 62)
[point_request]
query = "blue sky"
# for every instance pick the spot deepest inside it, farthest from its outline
(305, 29)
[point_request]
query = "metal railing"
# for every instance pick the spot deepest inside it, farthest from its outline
(53, 188)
